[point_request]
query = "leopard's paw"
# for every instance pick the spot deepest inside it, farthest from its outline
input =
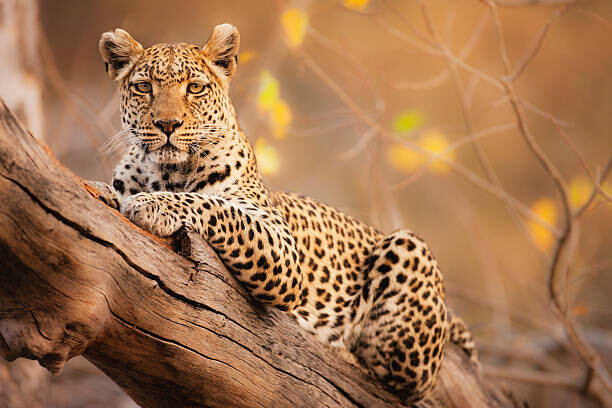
(107, 194)
(151, 214)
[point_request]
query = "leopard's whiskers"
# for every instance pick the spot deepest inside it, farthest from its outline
(121, 139)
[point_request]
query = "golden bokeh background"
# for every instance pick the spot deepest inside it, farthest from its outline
(347, 100)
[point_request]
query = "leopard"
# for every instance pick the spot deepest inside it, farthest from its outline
(379, 298)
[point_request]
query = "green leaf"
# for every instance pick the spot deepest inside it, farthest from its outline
(407, 121)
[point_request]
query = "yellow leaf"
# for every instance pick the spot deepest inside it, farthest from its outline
(267, 157)
(436, 142)
(269, 102)
(546, 209)
(356, 4)
(280, 118)
(267, 95)
(579, 189)
(408, 160)
(404, 159)
(246, 56)
(294, 22)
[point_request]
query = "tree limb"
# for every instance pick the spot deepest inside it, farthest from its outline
(77, 278)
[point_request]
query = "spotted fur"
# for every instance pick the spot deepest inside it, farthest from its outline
(381, 297)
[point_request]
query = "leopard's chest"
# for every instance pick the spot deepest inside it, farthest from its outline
(182, 178)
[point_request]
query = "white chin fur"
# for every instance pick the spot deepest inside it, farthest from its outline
(168, 156)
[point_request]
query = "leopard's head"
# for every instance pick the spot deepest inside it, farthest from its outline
(174, 97)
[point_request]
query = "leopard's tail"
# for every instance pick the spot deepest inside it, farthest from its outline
(460, 335)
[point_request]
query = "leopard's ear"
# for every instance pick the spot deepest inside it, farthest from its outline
(119, 52)
(222, 48)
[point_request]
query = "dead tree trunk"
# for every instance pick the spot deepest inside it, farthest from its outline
(78, 278)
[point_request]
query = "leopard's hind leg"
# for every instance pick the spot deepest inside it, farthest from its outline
(400, 320)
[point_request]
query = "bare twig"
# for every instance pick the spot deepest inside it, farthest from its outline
(424, 84)
(430, 47)
(559, 268)
(607, 169)
(538, 43)
(67, 98)
(353, 63)
(567, 236)
(539, 112)
(594, 16)
(452, 147)
(483, 158)
(423, 46)
(458, 168)
(443, 76)
(409, 25)
(361, 144)
(582, 162)
(452, 67)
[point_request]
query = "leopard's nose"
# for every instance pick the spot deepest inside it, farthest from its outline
(167, 125)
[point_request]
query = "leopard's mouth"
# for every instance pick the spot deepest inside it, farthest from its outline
(168, 154)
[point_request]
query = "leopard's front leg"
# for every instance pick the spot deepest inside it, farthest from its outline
(254, 243)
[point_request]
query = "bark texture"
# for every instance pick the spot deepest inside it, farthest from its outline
(172, 329)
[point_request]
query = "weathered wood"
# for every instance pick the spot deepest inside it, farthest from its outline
(77, 278)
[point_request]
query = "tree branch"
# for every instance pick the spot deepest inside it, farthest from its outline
(78, 278)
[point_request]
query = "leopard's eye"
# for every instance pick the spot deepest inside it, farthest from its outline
(142, 87)
(196, 88)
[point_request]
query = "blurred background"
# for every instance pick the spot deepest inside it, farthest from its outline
(434, 116)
